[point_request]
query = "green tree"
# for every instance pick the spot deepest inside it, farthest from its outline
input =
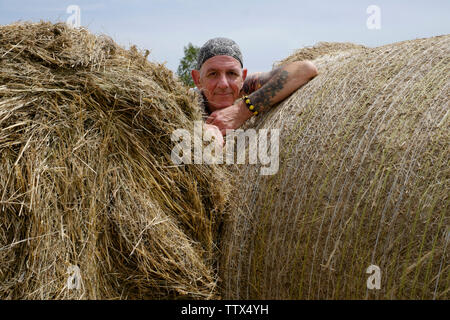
(187, 63)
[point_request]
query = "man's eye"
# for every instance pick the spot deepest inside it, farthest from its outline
(211, 74)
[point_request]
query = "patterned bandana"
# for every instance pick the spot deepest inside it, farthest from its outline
(218, 47)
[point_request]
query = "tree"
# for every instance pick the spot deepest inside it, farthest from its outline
(187, 63)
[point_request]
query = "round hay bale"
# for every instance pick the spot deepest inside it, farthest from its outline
(363, 179)
(91, 204)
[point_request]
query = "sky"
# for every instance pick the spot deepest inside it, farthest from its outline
(266, 31)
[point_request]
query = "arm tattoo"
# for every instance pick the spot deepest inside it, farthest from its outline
(262, 98)
(253, 83)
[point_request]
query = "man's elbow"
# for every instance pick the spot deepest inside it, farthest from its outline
(308, 69)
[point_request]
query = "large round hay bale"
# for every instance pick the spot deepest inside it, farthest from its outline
(91, 205)
(364, 179)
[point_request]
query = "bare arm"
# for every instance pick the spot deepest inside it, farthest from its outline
(269, 88)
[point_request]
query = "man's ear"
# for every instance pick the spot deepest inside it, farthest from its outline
(196, 77)
(244, 74)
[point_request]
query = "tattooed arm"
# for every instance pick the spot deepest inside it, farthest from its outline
(255, 81)
(267, 89)
(264, 90)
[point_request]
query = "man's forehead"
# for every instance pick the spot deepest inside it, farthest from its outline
(220, 63)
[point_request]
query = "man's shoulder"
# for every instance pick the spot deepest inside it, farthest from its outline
(254, 81)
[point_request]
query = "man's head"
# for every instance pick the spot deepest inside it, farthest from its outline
(219, 74)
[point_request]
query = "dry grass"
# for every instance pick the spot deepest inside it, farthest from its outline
(321, 49)
(86, 177)
(364, 179)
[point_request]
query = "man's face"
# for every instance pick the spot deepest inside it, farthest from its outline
(221, 79)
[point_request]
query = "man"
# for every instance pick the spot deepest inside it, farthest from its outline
(222, 80)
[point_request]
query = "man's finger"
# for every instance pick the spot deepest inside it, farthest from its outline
(216, 123)
(211, 118)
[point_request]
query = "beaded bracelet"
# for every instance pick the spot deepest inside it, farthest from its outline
(250, 106)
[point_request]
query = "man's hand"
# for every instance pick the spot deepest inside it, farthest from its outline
(231, 117)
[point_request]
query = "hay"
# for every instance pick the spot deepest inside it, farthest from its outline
(86, 177)
(364, 180)
(321, 49)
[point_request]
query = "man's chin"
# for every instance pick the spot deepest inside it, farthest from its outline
(221, 103)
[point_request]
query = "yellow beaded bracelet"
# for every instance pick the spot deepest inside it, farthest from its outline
(249, 104)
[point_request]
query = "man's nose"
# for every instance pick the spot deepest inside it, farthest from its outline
(222, 82)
